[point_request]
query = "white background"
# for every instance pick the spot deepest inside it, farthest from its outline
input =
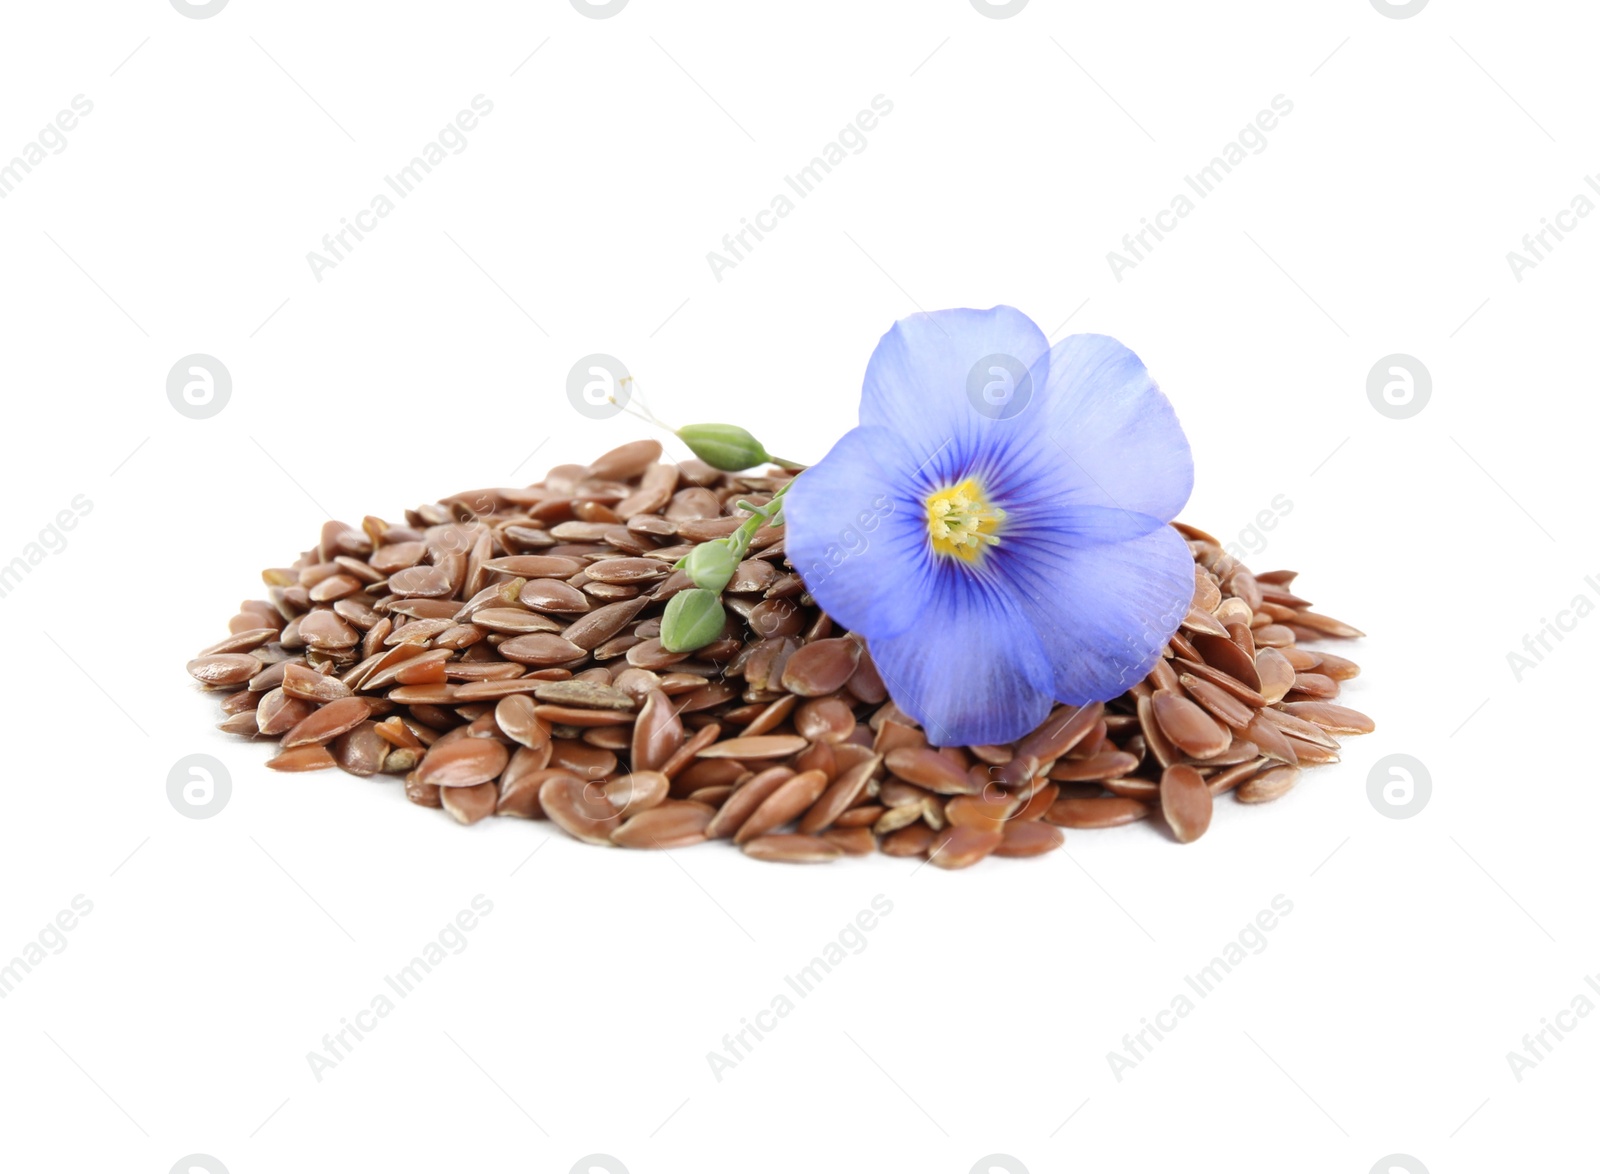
(978, 1019)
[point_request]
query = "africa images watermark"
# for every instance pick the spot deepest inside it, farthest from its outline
(1253, 139)
(50, 540)
(736, 246)
(339, 1045)
(52, 939)
(803, 982)
(52, 140)
(1252, 939)
(1537, 246)
(1538, 644)
(1538, 1045)
(452, 140)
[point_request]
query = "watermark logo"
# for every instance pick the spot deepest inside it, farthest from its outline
(198, 786)
(1399, 1163)
(199, 12)
(198, 1163)
(996, 11)
(602, 1162)
(599, 386)
(999, 386)
(1399, 786)
(596, 11)
(1399, 12)
(1399, 386)
(199, 386)
(1002, 1162)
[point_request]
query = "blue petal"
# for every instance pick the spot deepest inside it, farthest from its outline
(920, 384)
(1104, 612)
(1114, 435)
(857, 532)
(973, 672)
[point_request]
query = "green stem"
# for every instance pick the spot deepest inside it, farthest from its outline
(739, 541)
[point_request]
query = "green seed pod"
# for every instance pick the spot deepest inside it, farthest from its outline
(724, 446)
(710, 565)
(693, 619)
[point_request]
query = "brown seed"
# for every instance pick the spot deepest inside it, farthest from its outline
(520, 783)
(762, 746)
(676, 823)
(793, 849)
(989, 812)
(1275, 673)
(823, 719)
(578, 808)
(821, 667)
(962, 847)
(1108, 764)
(540, 650)
(1218, 702)
(1335, 719)
(1267, 737)
(852, 841)
(636, 792)
(224, 669)
(554, 596)
(1185, 802)
(279, 713)
(1029, 839)
(516, 719)
(746, 797)
(328, 723)
(1060, 732)
(1268, 785)
(1096, 813)
(1315, 687)
(315, 757)
(841, 795)
(536, 566)
(361, 751)
(1189, 727)
(791, 797)
(470, 804)
(420, 581)
(913, 840)
(466, 762)
(928, 768)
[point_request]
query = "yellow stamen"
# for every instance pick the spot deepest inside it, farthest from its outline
(962, 521)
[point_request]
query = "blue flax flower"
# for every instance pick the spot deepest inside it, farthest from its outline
(996, 527)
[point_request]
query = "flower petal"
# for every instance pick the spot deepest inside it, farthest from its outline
(1113, 430)
(857, 532)
(972, 672)
(1105, 612)
(926, 381)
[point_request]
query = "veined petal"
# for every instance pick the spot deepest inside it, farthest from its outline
(856, 530)
(1103, 613)
(959, 386)
(1113, 434)
(972, 671)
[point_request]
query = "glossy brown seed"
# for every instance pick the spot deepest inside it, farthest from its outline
(225, 669)
(1275, 673)
(841, 795)
(988, 811)
(1108, 764)
(470, 804)
(1185, 802)
(1270, 739)
(792, 849)
(747, 796)
(420, 793)
(962, 847)
(578, 808)
(328, 723)
(1029, 839)
(583, 694)
(465, 762)
(791, 797)
(762, 746)
(1314, 687)
(1189, 727)
(279, 713)
(1268, 785)
(1096, 813)
(540, 650)
(1335, 719)
(676, 823)
(516, 719)
(912, 840)
(636, 792)
(928, 768)
(420, 581)
(821, 667)
(1060, 732)
(520, 783)
(552, 595)
(1221, 704)
(824, 719)
(315, 757)
(1226, 780)
(852, 841)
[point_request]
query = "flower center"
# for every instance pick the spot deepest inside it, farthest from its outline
(962, 521)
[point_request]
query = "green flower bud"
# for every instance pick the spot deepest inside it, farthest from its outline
(724, 446)
(693, 619)
(710, 565)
